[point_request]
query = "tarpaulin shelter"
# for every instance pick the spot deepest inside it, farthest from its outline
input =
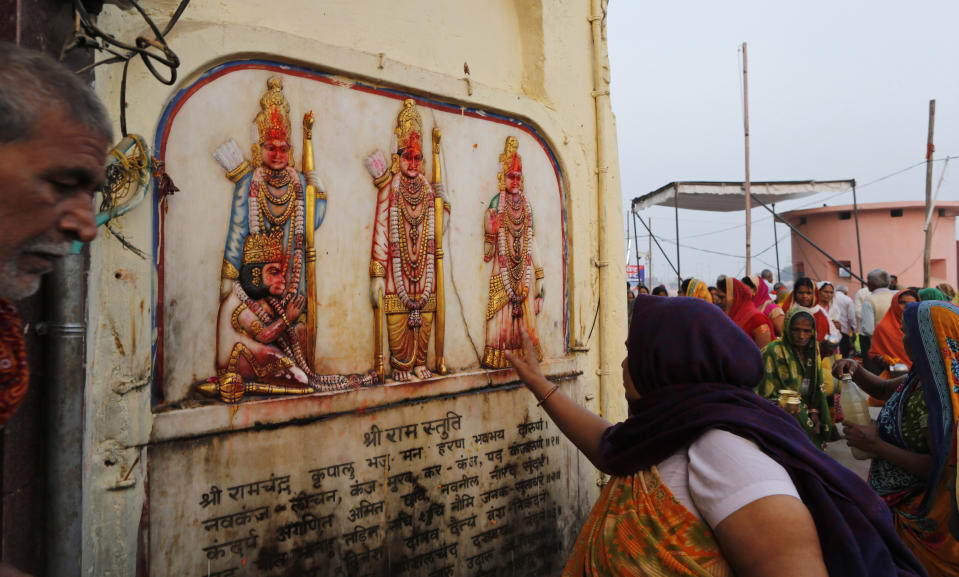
(731, 196)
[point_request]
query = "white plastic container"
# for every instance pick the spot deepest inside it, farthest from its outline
(855, 409)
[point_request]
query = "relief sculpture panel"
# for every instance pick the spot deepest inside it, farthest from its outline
(409, 448)
(282, 298)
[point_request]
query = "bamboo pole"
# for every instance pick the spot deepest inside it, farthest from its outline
(679, 276)
(930, 148)
(635, 240)
(649, 260)
(776, 241)
(855, 212)
(748, 196)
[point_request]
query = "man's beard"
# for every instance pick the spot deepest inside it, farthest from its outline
(16, 284)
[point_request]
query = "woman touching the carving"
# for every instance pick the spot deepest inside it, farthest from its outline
(707, 477)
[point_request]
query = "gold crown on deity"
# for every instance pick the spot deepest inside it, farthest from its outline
(273, 120)
(510, 161)
(409, 126)
(259, 248)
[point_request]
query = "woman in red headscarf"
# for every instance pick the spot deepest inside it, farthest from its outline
(887, 349)
(738, 304)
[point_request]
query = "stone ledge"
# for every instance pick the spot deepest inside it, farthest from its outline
(187, 423)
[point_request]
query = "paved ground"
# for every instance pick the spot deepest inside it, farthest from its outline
(839, 450)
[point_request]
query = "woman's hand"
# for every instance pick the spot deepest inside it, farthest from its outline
(580, 425)
(527, 365)
(816, 423)
(865, 437)
(847, 366)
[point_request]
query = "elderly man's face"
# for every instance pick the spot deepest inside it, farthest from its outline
(46, 198)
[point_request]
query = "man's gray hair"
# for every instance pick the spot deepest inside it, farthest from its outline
(878, 277)
(842, 288)
(32, 83)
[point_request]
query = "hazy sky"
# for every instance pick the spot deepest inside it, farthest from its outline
(837, 90)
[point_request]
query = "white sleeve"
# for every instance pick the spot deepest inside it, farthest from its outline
(851, 315)
(728, 472)
(868, 324)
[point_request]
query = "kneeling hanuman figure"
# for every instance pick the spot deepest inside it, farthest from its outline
(267, 352)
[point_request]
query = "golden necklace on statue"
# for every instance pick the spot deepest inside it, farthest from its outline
(264, 207)
(277, 178)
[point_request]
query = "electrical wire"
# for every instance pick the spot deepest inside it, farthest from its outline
(935, 226)
(89, 35)
(716, 252)
(807, 260)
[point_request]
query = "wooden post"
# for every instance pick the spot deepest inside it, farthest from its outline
(679, 276)
(748, 197)
(930, 148)
(855, 212)
(649, 260)
(635, 239)
(776, 241)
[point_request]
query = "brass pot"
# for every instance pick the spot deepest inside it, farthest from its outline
(785, 395)
(793, 405)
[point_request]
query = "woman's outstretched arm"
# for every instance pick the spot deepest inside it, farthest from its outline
(874, 385)
(581, 426)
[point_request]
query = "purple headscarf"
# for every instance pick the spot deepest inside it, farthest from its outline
(696, 370)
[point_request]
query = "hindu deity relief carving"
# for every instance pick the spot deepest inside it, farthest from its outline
(266, 321)
(406, 262)
(510, 244)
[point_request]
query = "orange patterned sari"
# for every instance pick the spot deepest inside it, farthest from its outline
(638, 528)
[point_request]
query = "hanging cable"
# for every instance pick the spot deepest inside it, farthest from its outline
(153, 51)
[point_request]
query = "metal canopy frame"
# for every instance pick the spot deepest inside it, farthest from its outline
(725, 196)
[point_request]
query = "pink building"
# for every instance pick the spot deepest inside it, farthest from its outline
(892, 239)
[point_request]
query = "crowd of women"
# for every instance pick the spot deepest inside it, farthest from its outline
(709, 476)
